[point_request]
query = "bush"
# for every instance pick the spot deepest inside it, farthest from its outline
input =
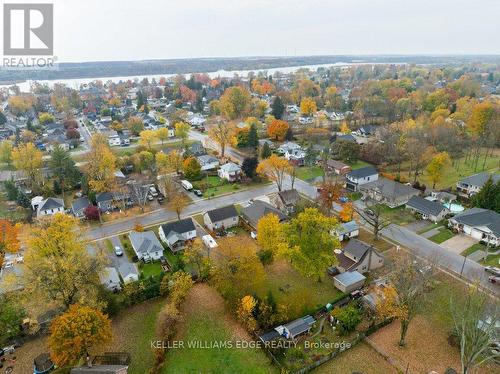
(265, 256)
(347, 318)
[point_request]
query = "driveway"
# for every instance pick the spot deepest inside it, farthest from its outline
(417, 226)
(124, 266)
(458, 243)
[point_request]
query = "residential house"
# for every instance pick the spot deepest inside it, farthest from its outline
(337, 167)
(388, 192)
(196, 149)
(359, 256)
(478, 223)
(49, 207)
(176, 234)
(252, 213)
(146, 245)
(346, 230)
(472, 185)
(287, 200)
(110, 279)
(430, 210)
(230, 171)
(266, 141)
(288, 147)
(208, 162)
(367, 130)
(361, 176)
(78, 206)
(296, 156)
(442, 196)
(128, 271)
(346, 138)
(349, 281)
(104, 201)
(221, 218)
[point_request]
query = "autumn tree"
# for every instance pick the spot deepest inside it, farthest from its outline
(235, 102)
(329, 192)
(76, 332)
(147, 138)
(221, 133)
(310, 242)
(101, 164)
(29, 159)
(271, 235)
(162, 134)
(437, 167)
(168, 162)
(198, 256)
(9, 241)
(274, 168)
(245, 312)
(191, 168)
(277, 129)
(346, 212)
(404, 296)
(64, 168)
(45, 118)
(178, 202)
(135, 125)
(483, 124)
(179, 285)
(6, 147)
(308, 107)
(182, 131)
(58, 269)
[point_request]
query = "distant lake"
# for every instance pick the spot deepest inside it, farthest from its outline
(76, 82)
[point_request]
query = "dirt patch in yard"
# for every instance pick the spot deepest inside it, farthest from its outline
(426, 347)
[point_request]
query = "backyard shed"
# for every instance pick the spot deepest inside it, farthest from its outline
(349, 281)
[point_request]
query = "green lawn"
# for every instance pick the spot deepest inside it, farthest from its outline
(473, 248)
(308, 172)
(12, 212)
(150, 269)
(444, 234)
(492, 260)
(359, 164)
(212, 186)
(399, 215)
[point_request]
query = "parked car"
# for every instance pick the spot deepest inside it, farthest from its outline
(343, 199)
(118, 251)
(493, 279)
(150, 197)
(492, 270)
(160, 198)
(186, 185)
(198, 193)
(152, 191)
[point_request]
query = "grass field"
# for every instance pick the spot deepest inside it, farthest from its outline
(474, 248)
(212, 186)
(308, 172)
(444, 234)
(151, 269)
(207, 321)
(359, 164)
(492, 260)
(399, 215)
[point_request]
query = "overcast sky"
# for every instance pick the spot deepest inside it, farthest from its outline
(96, 30)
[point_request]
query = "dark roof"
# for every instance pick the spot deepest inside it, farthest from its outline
(223, 213)
(51, 203)
(480, 217)
(103, 196)
(80, 203)
(389, 188)
(346, 138)
(300, 325)
(336, 164)
(425, 206)
(259, 209)
(289, 197)
(180, 227)
(363, 172)
(356, 248)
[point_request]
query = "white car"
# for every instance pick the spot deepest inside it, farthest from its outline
(118, 251)
(153, 191)
(492, 270)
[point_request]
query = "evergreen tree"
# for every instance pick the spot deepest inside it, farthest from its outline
(289, 134)
(253, 137)
(277, 108)
(64, 169)
(249, 166)
(3, 119)
(266, 151)
(23, 200)
(488, 197)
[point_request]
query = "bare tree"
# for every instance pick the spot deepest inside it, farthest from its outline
(373, 215)
(476, 322)
(139, 194)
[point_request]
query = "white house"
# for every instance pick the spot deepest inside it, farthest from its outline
(346, 231)
(361, 176)
(472, 185)
(146, 245)
(230, 172)
(288, 147)
(49, 207)
(176, 234)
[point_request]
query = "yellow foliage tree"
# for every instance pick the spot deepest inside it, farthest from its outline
(28, 158)
(74, 333)
(221, 133)
(147, 138)
(308, 107)
(274, 168)
(162, 134)
(101, 165)
(271, 235)
(344, 128)
(245, 311)
(437, 167)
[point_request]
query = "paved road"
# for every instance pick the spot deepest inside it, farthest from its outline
(229, 152)
(437, 254)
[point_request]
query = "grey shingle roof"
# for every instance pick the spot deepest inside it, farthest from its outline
(425, 206)
(480, 179)
(145, 242)
(363, 172)
(259, 209)
(349, 277)
(80, 203)
(104, 196)
(289, 196)
(51, 203)
(390, 188)
(480, 217)
(356, 248)
(223, 213)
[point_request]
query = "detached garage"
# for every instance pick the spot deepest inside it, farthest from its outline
(349, 281)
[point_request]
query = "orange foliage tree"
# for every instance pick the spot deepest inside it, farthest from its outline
(346, 212)
(9, 241)
(75, 332)
(277, 129)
